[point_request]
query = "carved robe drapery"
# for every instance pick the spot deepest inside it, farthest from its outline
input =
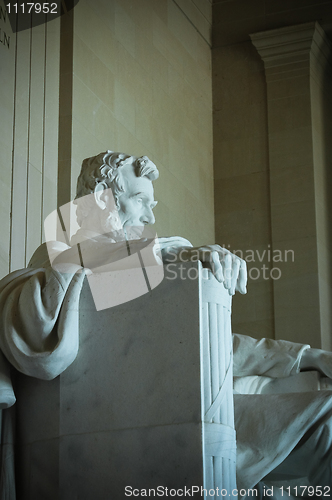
(40, 337)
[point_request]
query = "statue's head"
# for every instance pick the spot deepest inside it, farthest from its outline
(120, 189)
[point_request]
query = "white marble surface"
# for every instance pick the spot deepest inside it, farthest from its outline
(138, 355)
(301, 382)
(128, 410)
(142, 457)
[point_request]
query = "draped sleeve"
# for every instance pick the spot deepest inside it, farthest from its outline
(272, 358)
(39, 318)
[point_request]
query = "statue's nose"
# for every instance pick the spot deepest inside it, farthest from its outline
(148, 217)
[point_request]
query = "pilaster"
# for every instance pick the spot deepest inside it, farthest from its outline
(297, 69)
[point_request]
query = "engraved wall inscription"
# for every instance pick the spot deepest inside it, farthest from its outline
(4, 25)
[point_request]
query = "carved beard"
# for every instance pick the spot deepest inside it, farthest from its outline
(111, 223)
(119, 230)
(133, 232)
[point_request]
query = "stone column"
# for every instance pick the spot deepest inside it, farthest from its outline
(298, 72)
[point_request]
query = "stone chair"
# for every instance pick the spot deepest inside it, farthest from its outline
(148, 401)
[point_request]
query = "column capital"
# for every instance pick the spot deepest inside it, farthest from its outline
(293, 45)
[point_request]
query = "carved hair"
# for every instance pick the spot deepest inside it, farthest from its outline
(105, 168)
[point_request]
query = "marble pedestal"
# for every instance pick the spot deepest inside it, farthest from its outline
(134, 409)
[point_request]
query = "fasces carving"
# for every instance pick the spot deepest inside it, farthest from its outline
(217, 387)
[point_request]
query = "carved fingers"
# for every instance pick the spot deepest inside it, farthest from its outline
(317, 359)
(234, 271)
(241, 283)
(227, 268)
(216, 266)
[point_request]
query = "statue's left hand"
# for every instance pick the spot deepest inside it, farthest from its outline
(226, 267)
(317, 359)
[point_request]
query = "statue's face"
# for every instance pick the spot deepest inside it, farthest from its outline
(136, 204)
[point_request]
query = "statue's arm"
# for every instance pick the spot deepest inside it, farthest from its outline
(39, 319)
(272, 358)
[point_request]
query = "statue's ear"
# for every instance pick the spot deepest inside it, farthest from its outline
(100, 195)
